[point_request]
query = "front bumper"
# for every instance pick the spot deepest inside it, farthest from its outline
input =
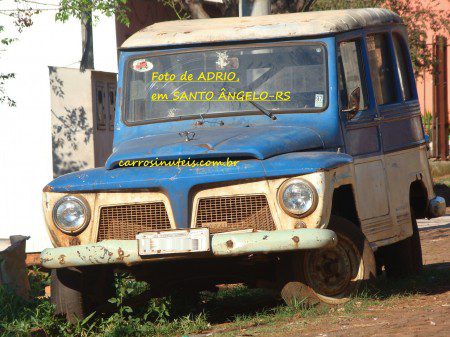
(224, 244)
(436, 207)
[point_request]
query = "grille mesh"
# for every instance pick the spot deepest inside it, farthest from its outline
(125, 221)
(224, 214)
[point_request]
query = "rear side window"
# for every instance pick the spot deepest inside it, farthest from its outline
(351, 72)
(381, 69)
(402, 66)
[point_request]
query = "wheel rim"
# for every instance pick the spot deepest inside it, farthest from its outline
(334, 272)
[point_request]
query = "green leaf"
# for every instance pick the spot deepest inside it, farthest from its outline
(84, 321)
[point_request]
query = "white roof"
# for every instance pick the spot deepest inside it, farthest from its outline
(185, 32)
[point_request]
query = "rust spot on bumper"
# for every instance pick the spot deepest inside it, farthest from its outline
(61, 259)
(121, 254)
(44, 260)
(229, 244)
(295, 239)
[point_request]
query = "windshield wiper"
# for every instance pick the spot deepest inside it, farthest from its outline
(263, 110)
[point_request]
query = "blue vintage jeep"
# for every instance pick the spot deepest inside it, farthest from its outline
(284, 150)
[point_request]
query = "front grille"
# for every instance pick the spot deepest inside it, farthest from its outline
(125, 221)
(224, 214)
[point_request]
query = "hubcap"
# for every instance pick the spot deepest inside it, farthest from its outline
(330, 272)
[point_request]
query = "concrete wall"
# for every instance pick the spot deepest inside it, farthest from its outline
(78, 141)
(72, 120)
(25, 139)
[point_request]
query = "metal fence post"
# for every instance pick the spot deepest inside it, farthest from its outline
(440, 99)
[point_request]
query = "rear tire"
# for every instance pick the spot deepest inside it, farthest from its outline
(332, 275)
(77, 293)
(404, 258)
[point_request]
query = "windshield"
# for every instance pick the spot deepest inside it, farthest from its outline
(218, 81)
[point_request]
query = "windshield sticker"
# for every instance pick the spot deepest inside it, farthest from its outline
(222, 60)
(142, 65)
(172, 112)
(318, 103)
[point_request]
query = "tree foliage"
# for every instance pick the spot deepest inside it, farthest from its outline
(4, 98)
(418, 16)
(78, 8)
(21, 18)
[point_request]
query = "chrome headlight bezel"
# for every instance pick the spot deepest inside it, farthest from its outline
(289, 182)
(86, 211)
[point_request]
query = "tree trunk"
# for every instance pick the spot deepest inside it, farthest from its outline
(254, 7)
(87, 42)
(195, 8)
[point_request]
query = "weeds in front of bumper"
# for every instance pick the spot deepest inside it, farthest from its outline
(242, 308)
(20, 318)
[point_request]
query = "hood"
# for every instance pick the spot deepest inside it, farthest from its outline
(173, 179)
(257, 142)
(178, 183)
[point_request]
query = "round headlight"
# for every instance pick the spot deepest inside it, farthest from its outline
(71, 214)
(298, 197)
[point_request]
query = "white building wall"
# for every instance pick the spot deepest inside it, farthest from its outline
(25, 136)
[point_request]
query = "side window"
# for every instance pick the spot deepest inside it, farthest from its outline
(351, 72)
(381, 69)
(401, 58)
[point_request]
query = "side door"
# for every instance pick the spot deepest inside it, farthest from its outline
(401, 128)
(362, 136)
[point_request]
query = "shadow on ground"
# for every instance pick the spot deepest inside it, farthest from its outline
(231, 302)
(432, 281)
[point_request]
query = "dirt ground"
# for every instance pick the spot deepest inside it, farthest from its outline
(425, 313)
(418, 315)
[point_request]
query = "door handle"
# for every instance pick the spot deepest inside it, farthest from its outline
(377, 119)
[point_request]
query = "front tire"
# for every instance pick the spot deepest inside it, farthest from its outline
(77, 293)
(332, 275)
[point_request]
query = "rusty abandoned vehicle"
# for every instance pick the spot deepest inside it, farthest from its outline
(328, 173)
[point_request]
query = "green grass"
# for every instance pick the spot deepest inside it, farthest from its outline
(444, 180)
(240, 308)
(19, 317)
(439, 168)
(382, 293)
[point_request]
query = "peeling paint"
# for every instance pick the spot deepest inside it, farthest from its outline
(61, 259)
(121, 254)
(266, 242)
(44, 260)
(126, 251)
(259, 27)
(47, 188)
(74, 241)
(206, 146)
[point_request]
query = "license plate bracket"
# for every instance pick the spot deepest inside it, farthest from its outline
(173, 241)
